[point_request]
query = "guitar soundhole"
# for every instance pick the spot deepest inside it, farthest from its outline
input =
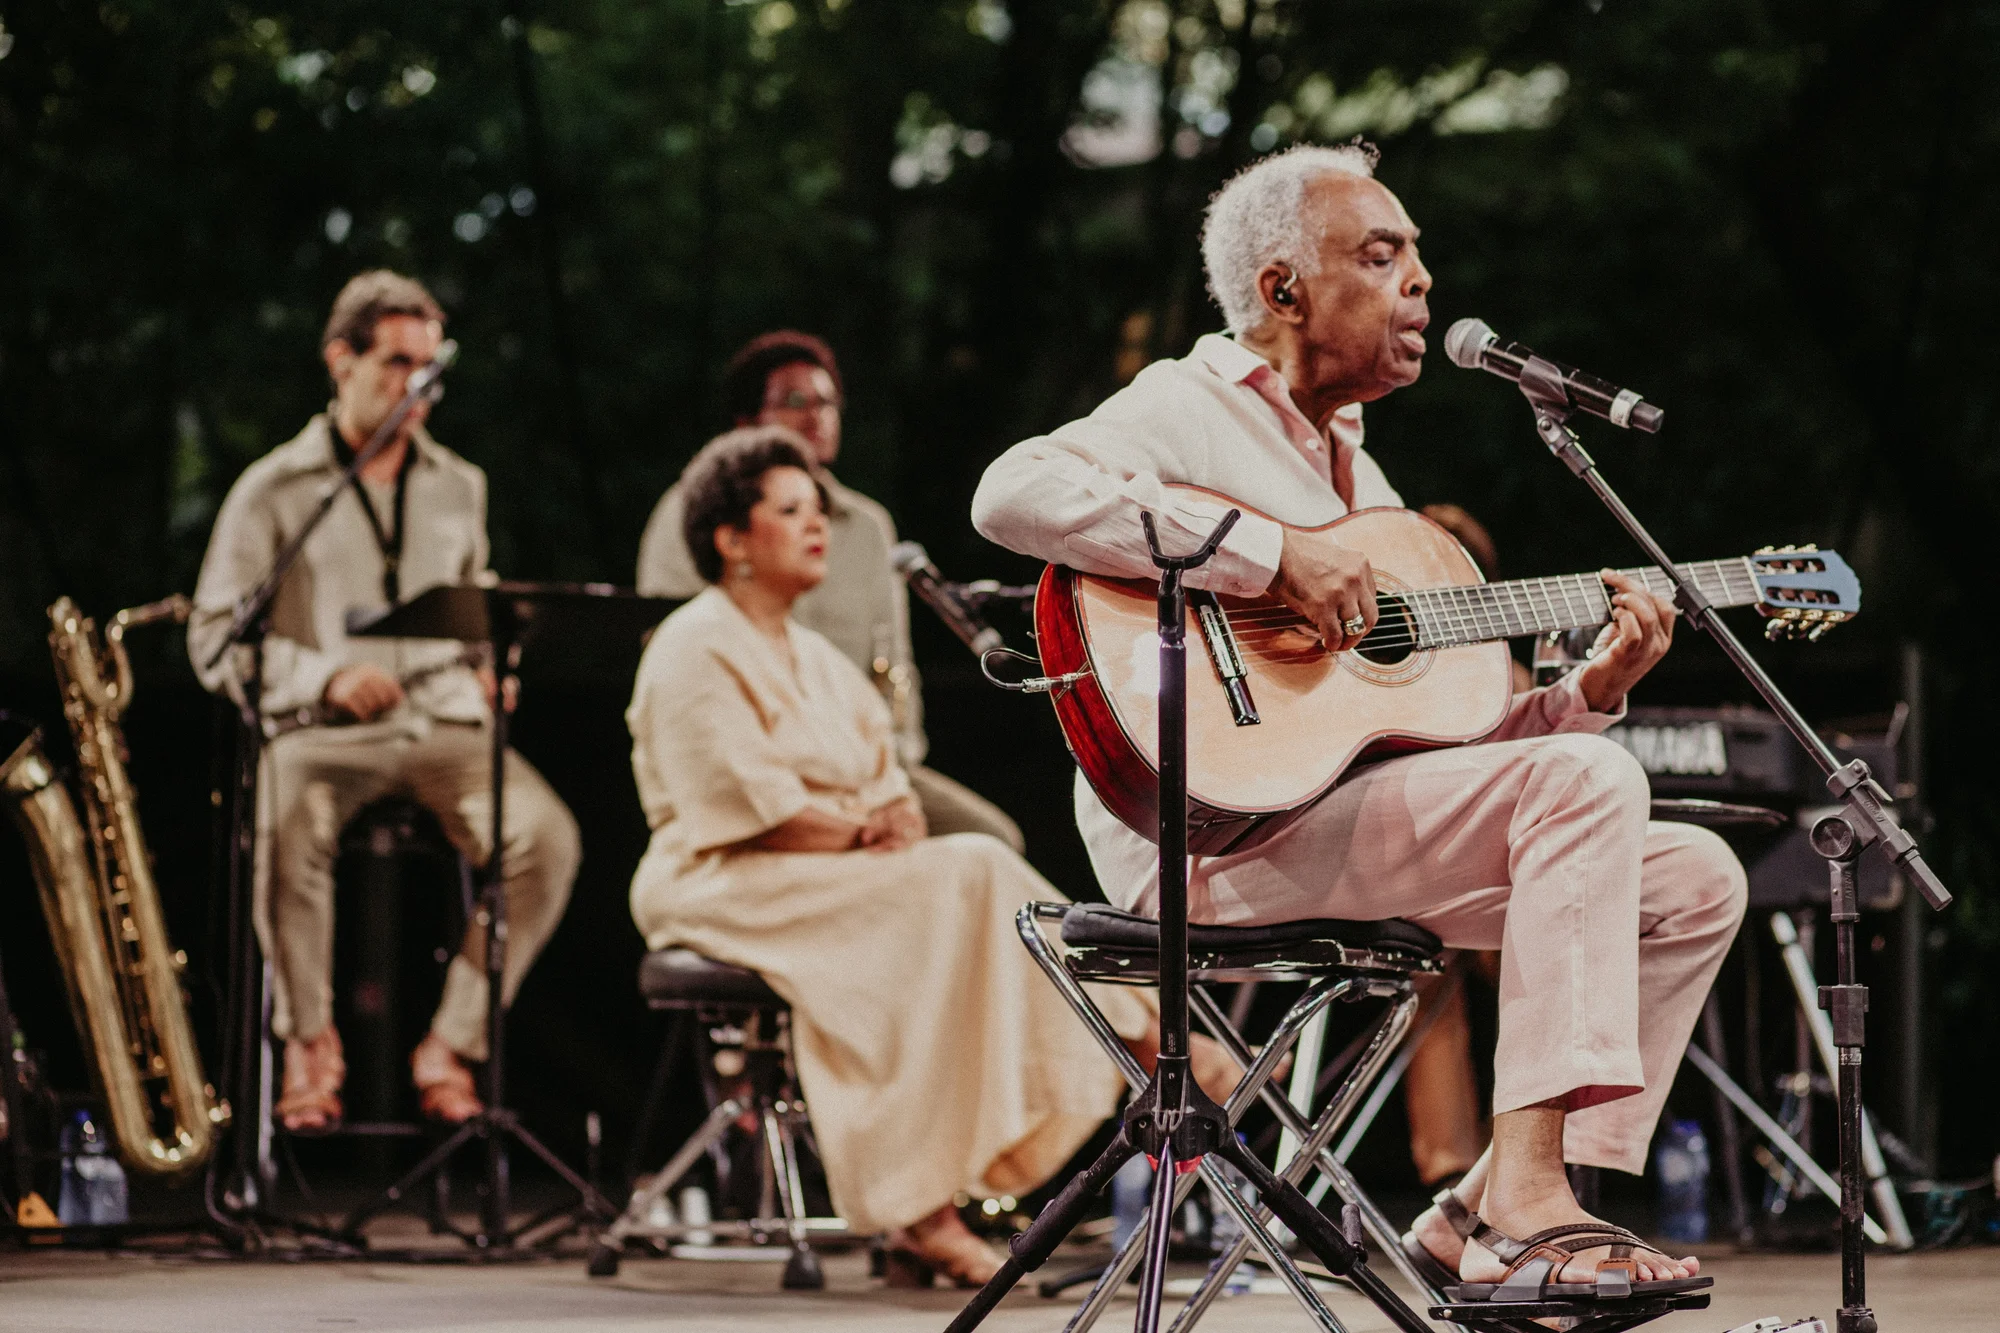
(1394, 637)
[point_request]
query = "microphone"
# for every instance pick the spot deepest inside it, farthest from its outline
(427, 381)
(910, 560)
(1470, 343)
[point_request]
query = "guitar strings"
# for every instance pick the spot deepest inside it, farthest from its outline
(1482, 604)
(1440, 616)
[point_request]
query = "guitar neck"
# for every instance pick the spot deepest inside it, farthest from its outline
(1517, 608)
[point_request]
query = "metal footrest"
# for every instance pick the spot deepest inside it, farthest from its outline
(1591, 1316)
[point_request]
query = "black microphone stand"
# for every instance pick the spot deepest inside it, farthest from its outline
(241, 1206)
(1839, 838)
(1172, 1120)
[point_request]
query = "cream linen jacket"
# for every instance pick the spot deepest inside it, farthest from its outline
(340, 570)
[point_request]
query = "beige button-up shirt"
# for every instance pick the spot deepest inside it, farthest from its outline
(340, 570)
(862, 606)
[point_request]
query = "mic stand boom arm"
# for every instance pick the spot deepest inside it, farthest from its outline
(1838, 838)
(1852, 783)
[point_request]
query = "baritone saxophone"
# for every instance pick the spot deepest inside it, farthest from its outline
(103, 906)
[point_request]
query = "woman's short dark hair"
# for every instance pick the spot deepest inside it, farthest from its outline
(726, 480)
(749, 371)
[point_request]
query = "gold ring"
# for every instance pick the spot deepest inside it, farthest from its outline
(1353, 627)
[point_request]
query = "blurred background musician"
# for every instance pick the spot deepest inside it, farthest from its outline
(786, 839)
(791, 379)
(409, 720)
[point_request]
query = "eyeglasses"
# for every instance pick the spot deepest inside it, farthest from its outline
(800, 401)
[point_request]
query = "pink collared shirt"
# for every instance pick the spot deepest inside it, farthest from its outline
(1220, 418)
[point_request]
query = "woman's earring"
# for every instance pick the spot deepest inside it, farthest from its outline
(745, 570)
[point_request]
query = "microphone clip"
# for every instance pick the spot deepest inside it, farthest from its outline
(1546, 388)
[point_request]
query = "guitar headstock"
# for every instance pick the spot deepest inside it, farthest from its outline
(1802, 591)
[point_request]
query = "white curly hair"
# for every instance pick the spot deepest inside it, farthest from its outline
(1259, 217)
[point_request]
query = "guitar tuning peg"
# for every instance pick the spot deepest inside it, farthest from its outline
(1818, 631)
(1810, 548)
(1774, 630)
(1767, 550)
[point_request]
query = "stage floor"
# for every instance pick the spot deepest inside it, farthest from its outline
(77, 1292)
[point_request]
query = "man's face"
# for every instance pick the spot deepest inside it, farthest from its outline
(368, 385)
(802, 397)
(1368, 304)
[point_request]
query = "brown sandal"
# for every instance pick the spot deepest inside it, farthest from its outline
(315, 1069)
(1461, 1220)
(445, 1091)
(909, 1262)
(1534, 1263)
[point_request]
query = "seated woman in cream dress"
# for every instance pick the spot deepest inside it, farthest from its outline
(933, 1054)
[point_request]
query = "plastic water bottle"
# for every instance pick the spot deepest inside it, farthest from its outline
(72, 1208)
(93, 1183)
(1681, 1162)
(1131, 1191)
(696, 1214)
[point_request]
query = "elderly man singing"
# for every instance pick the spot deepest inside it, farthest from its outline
(1535, 842)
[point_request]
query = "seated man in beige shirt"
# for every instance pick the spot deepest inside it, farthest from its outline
(791, 379)
(387, 717)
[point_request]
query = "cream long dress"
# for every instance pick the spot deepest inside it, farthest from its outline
(933, 1054)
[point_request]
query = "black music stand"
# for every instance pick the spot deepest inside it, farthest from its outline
(506, 616)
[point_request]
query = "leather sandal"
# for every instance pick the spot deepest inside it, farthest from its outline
(1534, 1263)
(1461, 1219)
(445, 1090)
(315, 1069)
(912, 1262)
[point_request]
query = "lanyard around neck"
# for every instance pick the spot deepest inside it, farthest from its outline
(387, 540)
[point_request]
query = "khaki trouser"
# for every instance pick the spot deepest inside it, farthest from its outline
(952, 807)
(316, 780)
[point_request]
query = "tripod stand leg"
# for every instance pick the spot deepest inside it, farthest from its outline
(388, 1198)
(1342, 1257)
(1725, 1126)
(1032, 1248)
(1774, 1134)
(1113, 1276)
(802, 1270)
(594, 1203)
(1159, 1235)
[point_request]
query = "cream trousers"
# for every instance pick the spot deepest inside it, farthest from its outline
(1610, 927)
(316, 780)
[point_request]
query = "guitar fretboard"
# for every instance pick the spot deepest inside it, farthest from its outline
(1482, 612)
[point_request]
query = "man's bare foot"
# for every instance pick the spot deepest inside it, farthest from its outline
(1522, 1218)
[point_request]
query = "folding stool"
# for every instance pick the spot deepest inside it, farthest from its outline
(1346, 960)
(744, 1025)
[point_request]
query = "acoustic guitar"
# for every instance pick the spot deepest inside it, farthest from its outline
(1274, 719)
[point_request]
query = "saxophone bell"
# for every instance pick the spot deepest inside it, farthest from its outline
(103, 905)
